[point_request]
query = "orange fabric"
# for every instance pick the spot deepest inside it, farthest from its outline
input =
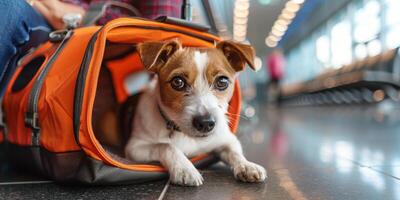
(56, 100)
(131, 64)
(15, 102)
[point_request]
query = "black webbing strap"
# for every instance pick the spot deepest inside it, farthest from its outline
(3, 126)
(32, 113)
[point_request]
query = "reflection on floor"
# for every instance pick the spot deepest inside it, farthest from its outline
(347, 152)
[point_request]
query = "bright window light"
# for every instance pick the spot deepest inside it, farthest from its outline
(360, 51)
(374, 47)
(341, 44)
(323, 49)
(392, 12)
(367, 22)
(393, 37)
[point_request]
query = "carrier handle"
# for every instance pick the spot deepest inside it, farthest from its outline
(182, 22)
(97, 10)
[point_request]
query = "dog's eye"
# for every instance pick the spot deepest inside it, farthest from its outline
(178, 83)
(221, 83)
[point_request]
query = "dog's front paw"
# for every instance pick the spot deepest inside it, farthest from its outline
(187, 176)
(249, 172)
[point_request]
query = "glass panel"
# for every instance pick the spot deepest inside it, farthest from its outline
(393, 37)
(392, 18)
(374, 47)
(392, 12)
(323, 49)
(341, 43)
(361, 51)
(367, 22)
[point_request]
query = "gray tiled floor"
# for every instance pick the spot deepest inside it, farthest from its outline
(349, 152)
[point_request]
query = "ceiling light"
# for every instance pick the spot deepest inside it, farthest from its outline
(239, 39)
(240, 21)
(287, 15)
(292, 7)
(257, 62)
(277, 33)
(240, 34)
(270, 43)
(274, 38)
(297, 1)
(242, 6)
(239, 28)
(280, 27)
(283, 22)
(241, 13)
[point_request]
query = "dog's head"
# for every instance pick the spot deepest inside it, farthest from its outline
(196, 84)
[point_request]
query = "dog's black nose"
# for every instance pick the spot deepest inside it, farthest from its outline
(204, 123)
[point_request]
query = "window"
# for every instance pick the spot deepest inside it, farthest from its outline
(374, 47)
(364, 28)
(392, 18)
(392, 12)
(361, 51)
(367, 22)
(323, 49)
(341, 44)
(393, 37)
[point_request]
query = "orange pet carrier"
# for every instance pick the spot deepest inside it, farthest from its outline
(48, 106)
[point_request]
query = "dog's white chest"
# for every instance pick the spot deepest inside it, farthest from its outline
(192, 146)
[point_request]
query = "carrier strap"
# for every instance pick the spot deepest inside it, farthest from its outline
(3, 125)
(97, 10)
(32, 114)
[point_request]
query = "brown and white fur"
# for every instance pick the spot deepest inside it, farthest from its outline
(200, 69)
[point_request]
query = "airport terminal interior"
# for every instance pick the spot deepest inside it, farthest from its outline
(322, 115)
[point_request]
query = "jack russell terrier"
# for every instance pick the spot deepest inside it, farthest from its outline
(183, 112)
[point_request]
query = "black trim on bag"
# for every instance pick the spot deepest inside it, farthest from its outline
(80, 84)
(32, 115)
(27, 73)
(74, 167)
(176, 31)
(77, 167)
(81, 80)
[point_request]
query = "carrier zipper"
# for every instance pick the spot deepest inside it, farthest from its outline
(80, 82)
(32, 115)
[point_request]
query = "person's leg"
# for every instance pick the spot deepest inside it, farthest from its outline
(21, 27)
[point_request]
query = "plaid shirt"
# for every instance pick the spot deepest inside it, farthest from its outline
(148, 8)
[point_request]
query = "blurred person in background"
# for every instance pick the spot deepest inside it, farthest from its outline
(27, 23)
(276, 64)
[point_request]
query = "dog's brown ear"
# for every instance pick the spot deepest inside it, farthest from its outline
(238, 54)
(155, 54)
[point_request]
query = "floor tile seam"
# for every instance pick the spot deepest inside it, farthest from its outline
(164, 191)
(24, 182)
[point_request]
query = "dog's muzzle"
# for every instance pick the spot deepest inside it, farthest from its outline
(204, 123)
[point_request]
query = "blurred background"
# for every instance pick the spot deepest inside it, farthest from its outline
(322, 115)
(346, 47)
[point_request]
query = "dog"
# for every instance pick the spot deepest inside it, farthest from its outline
(183, 112)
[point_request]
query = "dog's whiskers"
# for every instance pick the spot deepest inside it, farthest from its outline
(241, 116)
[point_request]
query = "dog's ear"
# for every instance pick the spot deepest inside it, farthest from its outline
(238, 54)
(155, 54)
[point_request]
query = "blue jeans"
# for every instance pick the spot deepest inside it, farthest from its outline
(21, 28)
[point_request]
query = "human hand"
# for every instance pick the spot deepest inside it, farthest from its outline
(54, 11)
